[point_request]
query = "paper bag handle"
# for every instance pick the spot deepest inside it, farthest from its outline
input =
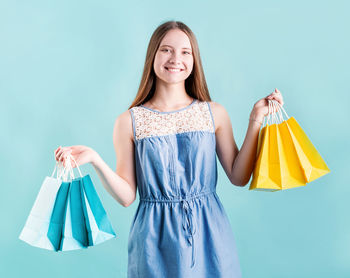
(280, 108)
(277, 116)
(63, 171)
(60, 170)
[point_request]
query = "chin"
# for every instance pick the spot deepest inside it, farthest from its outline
(171, 80)
(175, 80)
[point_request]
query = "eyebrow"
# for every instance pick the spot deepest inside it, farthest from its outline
(172, 47)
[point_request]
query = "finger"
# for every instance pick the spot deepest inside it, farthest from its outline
(278, 93)
(272, 95)
(57, 152)
(60, 149)
(66, 150)
(279, 99)
(274, 107)
(65, 159)
(65, 154)
(62, 155)
(59, 157)
(57, 149)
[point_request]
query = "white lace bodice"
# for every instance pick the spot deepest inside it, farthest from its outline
(195, 117)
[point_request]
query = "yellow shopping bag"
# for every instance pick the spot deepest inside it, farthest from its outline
(292, 174)
(291, 159)
(310, 160)
(261, 174)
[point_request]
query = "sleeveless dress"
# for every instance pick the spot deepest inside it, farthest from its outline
(180, 228)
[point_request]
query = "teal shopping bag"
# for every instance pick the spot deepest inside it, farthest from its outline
(58, 217)
(74, 235)
(97, 223)
(67, 214)
(78, 219)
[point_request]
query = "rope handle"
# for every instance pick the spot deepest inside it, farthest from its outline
(280, 107)
(62, 172)
(274, 115)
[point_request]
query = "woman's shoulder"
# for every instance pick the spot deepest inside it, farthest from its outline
(123, 124)
(216, 106)
(219, 112)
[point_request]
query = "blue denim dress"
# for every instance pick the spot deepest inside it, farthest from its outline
(180, 228)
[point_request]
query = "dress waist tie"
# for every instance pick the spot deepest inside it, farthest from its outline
(188, 224)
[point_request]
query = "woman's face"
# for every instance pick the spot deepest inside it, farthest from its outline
(173, 62)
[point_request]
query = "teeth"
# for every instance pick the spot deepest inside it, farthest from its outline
(174, 70)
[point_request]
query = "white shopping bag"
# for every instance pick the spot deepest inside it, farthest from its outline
(37, 223)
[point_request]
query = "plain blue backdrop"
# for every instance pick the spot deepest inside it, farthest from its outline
(69, 68)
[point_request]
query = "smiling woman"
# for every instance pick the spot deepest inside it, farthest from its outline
(166, 145)
(176, 172)
(173, 73)
(173, 63)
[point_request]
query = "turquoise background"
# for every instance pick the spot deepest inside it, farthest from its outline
(69, 68)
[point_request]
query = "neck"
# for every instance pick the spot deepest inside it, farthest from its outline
(168, 96)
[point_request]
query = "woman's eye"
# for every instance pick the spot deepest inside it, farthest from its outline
(166, 50)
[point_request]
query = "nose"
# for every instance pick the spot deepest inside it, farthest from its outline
(175, 58)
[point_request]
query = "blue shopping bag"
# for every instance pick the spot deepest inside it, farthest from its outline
(97, 223)
(58, 216)
(75, 217)
(71, 234)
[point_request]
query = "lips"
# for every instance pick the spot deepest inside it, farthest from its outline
(173, 69)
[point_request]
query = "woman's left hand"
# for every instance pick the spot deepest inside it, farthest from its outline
(261, 107)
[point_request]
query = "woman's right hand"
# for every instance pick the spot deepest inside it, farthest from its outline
(81, 154)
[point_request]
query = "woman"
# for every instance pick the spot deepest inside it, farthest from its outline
(166, 145)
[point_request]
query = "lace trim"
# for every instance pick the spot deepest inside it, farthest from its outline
(148, 123)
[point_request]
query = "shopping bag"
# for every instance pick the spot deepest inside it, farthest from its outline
(74, 234)
(76, 218)
(310, 160)
(98, 226)
(313, 164)
(85, 223)
(261, 174)
(292, 159)
(290, 173)
(271, 172)
(58, 215)
(68, 229)
(36, 227)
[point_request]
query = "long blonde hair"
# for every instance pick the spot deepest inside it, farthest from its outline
(195, 84)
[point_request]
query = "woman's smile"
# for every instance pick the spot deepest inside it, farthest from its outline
(173, 70)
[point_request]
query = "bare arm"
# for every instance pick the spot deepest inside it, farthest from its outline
(236, 163)
(243, 165)
(239, 164)
(121, 184)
